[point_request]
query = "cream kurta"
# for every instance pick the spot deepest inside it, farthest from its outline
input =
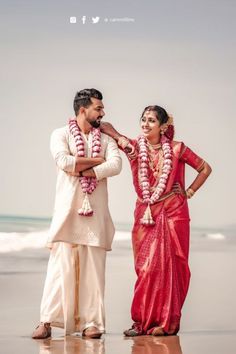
(67, 225)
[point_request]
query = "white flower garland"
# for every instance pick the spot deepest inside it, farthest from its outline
(149, 198)
(88, 184)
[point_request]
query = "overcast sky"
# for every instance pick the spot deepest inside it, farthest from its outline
(178, 54)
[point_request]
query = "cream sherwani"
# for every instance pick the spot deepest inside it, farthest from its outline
(73, 295)
(67, 225)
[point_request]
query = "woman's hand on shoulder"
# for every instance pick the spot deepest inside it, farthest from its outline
(107, 128)
(123, 142)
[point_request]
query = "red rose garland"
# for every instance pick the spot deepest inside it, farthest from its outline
(88, 184)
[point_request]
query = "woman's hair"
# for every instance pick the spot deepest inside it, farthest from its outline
(160, 112)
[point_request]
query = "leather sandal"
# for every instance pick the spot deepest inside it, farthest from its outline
(132, 332)
(43, 331)
(92, 332)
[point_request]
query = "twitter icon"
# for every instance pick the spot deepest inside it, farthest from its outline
(95, 19)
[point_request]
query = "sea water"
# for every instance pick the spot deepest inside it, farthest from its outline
(18, 233)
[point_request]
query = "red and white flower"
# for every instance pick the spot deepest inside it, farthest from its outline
(148, 197)
(88, 184)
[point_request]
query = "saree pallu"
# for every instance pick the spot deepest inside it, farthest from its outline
(161, 264)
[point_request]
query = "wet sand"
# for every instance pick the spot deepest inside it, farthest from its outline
(208, 321)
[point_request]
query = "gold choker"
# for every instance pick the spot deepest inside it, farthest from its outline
(154, 146)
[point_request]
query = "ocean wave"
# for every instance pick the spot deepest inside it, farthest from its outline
(18, 241)
(216, 236)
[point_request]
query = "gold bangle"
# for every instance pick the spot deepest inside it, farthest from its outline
(190, 193)
(123, 142)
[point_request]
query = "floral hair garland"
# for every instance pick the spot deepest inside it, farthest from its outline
(88, 184)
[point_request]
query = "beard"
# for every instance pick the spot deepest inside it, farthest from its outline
(95, 123)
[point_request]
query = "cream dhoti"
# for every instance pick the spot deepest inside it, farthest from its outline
(65, 303)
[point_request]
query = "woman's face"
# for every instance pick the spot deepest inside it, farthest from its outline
(150, 125)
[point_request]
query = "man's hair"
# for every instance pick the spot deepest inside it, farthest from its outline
(83, 98)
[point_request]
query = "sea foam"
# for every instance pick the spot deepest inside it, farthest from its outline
(18, 241)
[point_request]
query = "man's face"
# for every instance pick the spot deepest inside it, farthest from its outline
(94, 113)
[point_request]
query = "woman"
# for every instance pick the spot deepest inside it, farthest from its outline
(160, 233)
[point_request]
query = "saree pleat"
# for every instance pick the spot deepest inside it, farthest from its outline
(161, 265)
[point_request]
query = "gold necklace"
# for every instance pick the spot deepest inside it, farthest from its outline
(153, 146)
(156, 165)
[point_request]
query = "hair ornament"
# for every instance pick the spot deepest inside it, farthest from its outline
(167, 129)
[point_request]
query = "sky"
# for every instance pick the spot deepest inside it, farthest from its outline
(177, 54)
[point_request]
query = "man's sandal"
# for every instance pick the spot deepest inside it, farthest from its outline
(92, 332)
(43, 331)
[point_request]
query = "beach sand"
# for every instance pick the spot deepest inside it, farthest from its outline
(208, 320)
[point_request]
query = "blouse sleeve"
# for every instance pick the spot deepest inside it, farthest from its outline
(192, 159)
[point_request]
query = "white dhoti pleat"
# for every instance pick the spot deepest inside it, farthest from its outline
(73, 296)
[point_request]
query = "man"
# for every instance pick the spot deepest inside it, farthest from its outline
(81, 230)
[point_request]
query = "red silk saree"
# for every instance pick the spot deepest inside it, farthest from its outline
(161, 251)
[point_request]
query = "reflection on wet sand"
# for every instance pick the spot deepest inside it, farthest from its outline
(156, 345)
(136, 345)
(71, 345)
